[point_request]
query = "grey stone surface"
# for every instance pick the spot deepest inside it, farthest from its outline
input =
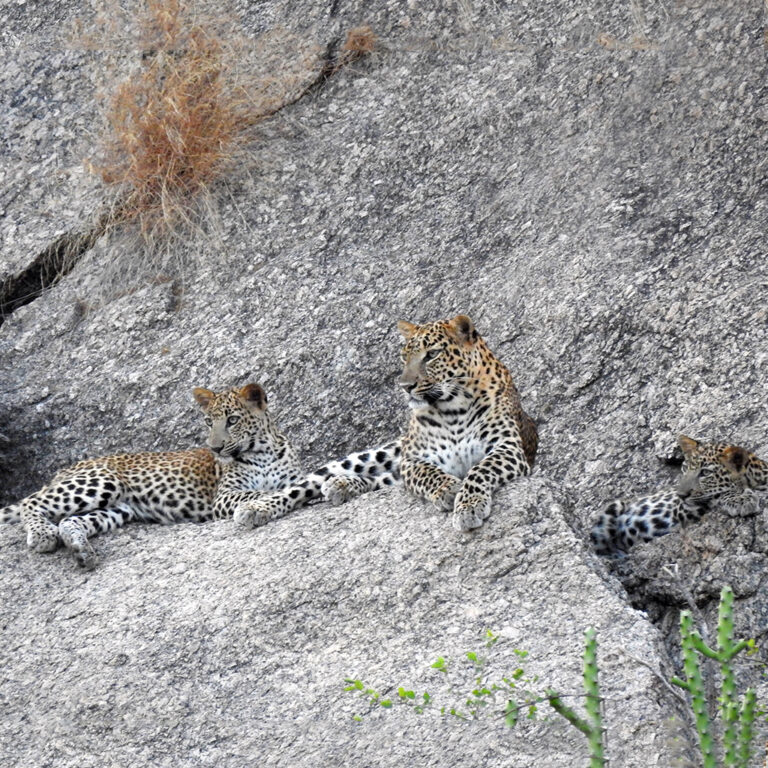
(49, 125)
(586, 181)
(198, 645)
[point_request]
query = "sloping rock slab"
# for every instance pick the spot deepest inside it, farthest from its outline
(688, 568)
(206, 646)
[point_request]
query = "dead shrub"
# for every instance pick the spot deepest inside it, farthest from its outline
(181, 123)
(174, 126)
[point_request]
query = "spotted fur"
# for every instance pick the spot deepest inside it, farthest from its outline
(246, 454)
(337, 482)
(467, 432)
(714, 474)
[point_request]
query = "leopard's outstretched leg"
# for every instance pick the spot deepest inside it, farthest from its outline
(338, 490)
(75, 531)
(359, 473)
(337, 482)
(273, 505)
(69, 494)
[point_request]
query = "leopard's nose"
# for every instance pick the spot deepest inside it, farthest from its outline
(216, 448)
(406, 385)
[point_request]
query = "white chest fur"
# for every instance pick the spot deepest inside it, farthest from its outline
(457, 459)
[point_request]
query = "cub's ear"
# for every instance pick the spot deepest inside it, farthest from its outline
(736, 458)
(406, 329)
(253, 394)
(688, 444)
(204, 397)
(464, 329)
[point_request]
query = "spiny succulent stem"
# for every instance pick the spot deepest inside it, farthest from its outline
(746, 719)
(592, 727)
(737, 721)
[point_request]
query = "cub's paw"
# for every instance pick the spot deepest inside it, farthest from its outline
(744, 504)
(76, 541)
(252, 514)
(42, 536)
(338, 490)
(445, 496)
(86, 558)
(470, 512)
(72, 534)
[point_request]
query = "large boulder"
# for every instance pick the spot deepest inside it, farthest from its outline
(203, 645)
(585, 181)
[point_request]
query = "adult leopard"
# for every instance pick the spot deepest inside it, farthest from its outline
(467, 433)
(246, 454)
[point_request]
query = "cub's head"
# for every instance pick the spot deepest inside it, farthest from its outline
(237, 420)
(723, 471)
(437, 359)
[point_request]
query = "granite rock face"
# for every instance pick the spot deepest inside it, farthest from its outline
(198, 645)
(586, 181)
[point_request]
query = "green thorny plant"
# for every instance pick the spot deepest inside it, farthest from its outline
(592, 728)
(485, 693)
(738, 719)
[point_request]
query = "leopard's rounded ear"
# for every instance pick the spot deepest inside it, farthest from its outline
(689, 446)
(464, 329)
(406, 329)
(204, 397)
(254, 394)
(736, 458)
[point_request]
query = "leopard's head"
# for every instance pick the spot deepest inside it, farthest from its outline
(238, 421)
(726, 472)
(438, 359)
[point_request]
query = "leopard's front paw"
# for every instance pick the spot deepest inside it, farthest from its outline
(470, 512)
(445, 496)
(744, 504)
(86, 558)
(336, 491)
(252, 514)
(76, 541)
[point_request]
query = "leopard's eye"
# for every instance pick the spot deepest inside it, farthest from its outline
(433, 353)
(232, 420)
(208, 421)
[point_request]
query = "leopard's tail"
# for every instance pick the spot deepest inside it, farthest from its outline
(606, 531)
(10, 514)
(355, 474)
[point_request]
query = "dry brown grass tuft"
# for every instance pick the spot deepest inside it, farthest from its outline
(180, 124)
(174, 127)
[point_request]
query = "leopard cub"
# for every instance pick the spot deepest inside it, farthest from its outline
(714, 474)
(246, 455)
